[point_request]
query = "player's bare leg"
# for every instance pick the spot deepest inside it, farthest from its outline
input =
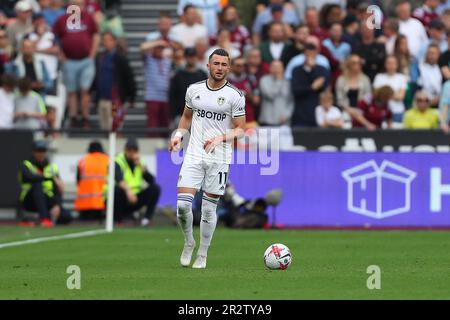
(207, 226)
(185, 220)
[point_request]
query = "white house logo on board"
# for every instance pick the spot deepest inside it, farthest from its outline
(368, 187)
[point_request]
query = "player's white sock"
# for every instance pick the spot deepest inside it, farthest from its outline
(185, 216)
(207, 223)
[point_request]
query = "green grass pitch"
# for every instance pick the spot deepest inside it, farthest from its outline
(134, 263)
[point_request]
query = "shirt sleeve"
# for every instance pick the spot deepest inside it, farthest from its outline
(407, 121)
(188, 99)
(319, 116)
(238, 107)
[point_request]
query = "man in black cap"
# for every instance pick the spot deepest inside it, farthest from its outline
(130, 194)
(191, 73)
(41, 187)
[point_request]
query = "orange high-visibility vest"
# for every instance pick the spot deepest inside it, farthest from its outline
(93, 170)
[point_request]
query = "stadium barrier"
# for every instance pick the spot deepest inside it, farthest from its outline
(337, 189)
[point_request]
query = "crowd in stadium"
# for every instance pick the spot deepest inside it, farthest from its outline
(329, 64)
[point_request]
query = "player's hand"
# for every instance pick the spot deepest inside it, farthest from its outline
(211, 144)
(175, 144)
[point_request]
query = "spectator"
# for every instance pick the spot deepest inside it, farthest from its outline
(328, 115)
(42, 188)
(297, 47)
(7, 10)
(8, 85)
(437, 36)
(256, 68)
(312, 20)
(303, 5)
(411, 28)
(273, 48)
(299, 60)
(427, 12)
(115, 82)
(208, 9)
(224, 42)
(308, 81)
(372, 53)
(351, 30)
(398, 83)
(444, 60)
(265, 17)
(443, 6)
(239, 78)
(112, 22)
(22, 25)
(353, 84)
(130, 194)
(6, 50)
(29, 107)
(78, 50)
(52, 10)
(373, 110)
(157, 80)
(239, 34)
(46, 50)
(189, 31)
(178, 59)
(3, 19)
(444, 108)
(277, 16)
(94, 8)
(164, 32)
(183, 78)
(92, 173)
(445, 17)
(329, 14)
(430, 78)
(339, 49)
(390, 34)
(50, 121)
(421, 116)
(407, 63)
(277, 103)
(201, 46)
(27, 64)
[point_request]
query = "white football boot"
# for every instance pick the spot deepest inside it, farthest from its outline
(200, 262)
(186, 255)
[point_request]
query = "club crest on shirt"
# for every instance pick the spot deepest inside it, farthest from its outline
(220, 101)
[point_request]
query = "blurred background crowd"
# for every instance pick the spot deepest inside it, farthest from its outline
(300, 63)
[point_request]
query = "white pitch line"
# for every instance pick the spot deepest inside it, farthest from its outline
(53, 238)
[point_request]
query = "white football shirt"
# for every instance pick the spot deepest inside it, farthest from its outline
(213, 110)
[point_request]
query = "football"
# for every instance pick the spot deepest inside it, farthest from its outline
(277, 257)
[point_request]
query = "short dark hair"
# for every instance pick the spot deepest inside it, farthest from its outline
(219, 52)
(187, 7)
(8, 80)
(95, 146)
(110, 33)
(24, 84)
(164, 14)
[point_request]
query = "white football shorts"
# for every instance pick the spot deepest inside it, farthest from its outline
(198, 174)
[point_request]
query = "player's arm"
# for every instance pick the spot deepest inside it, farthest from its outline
(183, 126)
(237, 132)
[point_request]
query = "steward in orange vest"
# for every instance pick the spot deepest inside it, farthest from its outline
(92, 182)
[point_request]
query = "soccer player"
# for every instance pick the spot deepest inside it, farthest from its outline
(215, 113)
